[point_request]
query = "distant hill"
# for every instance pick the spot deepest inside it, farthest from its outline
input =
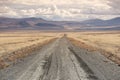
(41, 24)
(26, 23)
(96, 24)
(99, 22)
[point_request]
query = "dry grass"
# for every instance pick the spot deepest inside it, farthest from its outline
(16, 45)
(12, 41)
(108, 42)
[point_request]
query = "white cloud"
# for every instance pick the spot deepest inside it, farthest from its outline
(6, 11)
(60, 9)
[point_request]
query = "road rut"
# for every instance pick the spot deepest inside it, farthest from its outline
(61, 60)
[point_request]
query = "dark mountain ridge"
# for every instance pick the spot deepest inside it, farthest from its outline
(41, 24)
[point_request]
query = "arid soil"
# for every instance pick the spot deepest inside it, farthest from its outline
(13, 57)
(13, 41)
(62, 60)
(107, 42)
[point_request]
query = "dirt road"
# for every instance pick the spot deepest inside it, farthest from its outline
(61, 60)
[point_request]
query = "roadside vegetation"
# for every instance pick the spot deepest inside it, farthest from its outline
(108, 43)
(16, 45)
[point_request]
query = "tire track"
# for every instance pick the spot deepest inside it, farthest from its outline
(46, 68)
(85, 67)
(58, 61)
(64, 65)
(35, 66)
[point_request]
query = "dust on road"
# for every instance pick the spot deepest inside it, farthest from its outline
(61, 60)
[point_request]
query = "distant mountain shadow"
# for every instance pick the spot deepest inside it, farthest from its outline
(41, 24)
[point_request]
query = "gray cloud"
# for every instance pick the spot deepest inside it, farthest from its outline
(60, 10)
(115, 8)
(114, 3)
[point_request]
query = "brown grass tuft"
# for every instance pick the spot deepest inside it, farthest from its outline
(83, 45)
(10, 58)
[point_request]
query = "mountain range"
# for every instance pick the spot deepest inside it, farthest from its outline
(41, 24)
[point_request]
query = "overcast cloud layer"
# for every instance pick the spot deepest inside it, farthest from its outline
(60, 9)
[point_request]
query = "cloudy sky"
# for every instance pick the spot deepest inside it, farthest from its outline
(60, 9)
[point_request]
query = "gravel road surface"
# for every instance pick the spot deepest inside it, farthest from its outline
(60, 60)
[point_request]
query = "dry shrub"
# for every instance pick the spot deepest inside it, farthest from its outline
(10, 58)
(82, 44)
(107, 54)
(3, 64)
